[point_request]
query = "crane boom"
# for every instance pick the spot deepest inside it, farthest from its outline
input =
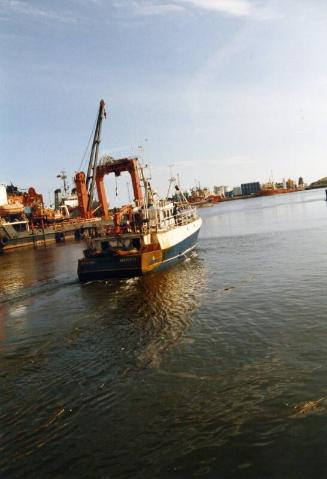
(93, 163)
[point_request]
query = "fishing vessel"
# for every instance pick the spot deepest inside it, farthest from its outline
(149, 235)
(201, 197)
(271, 188)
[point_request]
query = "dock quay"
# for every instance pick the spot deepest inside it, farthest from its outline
(21, 233)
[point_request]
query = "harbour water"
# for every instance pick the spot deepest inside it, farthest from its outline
(215, 368)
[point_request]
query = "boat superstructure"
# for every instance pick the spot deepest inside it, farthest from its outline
(148, 235)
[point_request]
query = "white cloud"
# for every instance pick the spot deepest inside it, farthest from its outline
(232, 7)
(238, 8)
(144, 7)
(21, 8)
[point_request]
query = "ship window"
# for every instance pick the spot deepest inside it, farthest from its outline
(19, 227)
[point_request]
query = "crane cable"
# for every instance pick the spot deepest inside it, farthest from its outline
(88, 145)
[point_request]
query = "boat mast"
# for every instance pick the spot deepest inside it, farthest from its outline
(146, 194)
(172, 179)
(62, 175)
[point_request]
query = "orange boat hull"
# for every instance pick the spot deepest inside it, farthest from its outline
(277, 191)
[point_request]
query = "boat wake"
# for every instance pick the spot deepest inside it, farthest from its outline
(35, 290)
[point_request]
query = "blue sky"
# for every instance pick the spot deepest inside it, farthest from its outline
(225, 90)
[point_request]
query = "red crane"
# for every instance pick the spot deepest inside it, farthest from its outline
(95, 175)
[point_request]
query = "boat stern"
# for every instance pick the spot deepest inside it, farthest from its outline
(108, 266)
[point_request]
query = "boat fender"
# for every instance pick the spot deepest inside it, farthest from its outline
(59, 237)
(4, 240)
(79, 233)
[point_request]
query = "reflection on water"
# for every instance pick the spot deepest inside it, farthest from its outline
(214, 368)
(24, 269)
(71, 348)
(157, 307)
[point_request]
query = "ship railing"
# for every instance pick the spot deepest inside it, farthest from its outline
(111, 230)
(183, 217)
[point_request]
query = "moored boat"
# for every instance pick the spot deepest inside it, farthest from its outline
(25, 221)
(20, 233)
(276, 191)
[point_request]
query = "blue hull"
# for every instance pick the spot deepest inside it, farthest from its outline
(110, 265)
(179, 252)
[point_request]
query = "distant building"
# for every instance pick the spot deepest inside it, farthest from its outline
(290, 183)
(237, 191)
(301, 182)
(228, 191)
(223, 191)
(219, 190)
(250, 188)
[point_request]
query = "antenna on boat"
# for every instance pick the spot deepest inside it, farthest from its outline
(141, 149)
(146, 196)
(62, 175)
(172, 179)
(178, 181)
(140, 152)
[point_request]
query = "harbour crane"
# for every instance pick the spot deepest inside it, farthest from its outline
(85, 185)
